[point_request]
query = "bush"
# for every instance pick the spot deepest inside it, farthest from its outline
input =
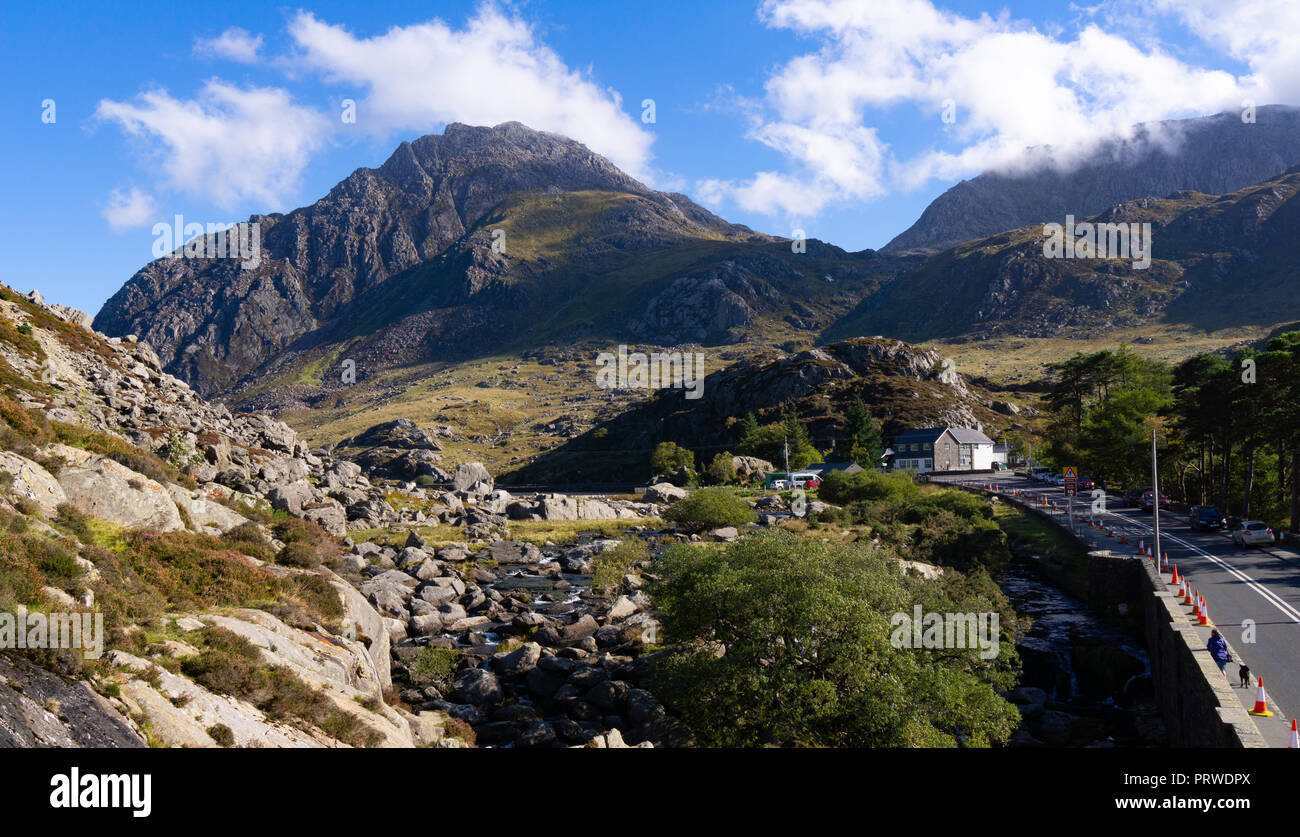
(221, 734)
(668, 457)
(709, 508)
(841, 487)
(432, 665)
(722, 471)
(247, 538)
(610, 566)
(298, 554)
(75, 522)
(804, 629)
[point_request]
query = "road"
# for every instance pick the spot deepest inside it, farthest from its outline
(1241, 586)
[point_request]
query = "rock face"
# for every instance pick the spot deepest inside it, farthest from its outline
(33, 482)
(1213, 154)
(320, 263)
(39, 708)
(102, 488)
(1215, 262)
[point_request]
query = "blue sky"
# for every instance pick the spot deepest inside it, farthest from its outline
(821, 115)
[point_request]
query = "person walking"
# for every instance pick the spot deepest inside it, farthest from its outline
(1218, 648)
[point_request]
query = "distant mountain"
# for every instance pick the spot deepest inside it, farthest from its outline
(476, 241)
(1213, 154)
(1217, 262)
(902, 385)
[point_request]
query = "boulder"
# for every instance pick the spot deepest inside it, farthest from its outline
(477, 686)
(472, 477)
(108, 490)
(291, 497)
(32, 482)
(665, 492)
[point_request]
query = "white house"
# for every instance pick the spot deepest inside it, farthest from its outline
(942, 449)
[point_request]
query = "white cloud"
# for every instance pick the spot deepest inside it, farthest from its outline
(228, 144)
(493, 70)
(125, 211)
(1259, 33)
(234, 44)
(1013, 85)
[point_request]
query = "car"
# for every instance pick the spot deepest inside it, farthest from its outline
(1133, 498)
(1085, 484)
(1205, 519)
(1254, 533)
(1149, 502)
(806, 480)
(779, 485)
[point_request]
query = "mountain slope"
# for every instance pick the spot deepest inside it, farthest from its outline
(462, 243)
(1214, 154)
(1217, 263)
(902, 386)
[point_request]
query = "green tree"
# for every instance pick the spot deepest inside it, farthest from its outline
(785, 640)
(668, 457)
(709, 508)
(722, 471)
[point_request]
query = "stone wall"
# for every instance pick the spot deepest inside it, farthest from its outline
(1199, 706)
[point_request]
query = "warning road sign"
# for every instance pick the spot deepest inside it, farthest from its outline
(1071, 475)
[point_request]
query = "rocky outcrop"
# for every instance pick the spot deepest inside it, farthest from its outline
(32, 482)
(41, 708)
(319, 263)
(1212, 154)
(105, 489)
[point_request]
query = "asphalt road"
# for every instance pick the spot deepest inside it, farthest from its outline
(1261, 585)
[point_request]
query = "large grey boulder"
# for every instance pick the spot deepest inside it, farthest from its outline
(207, 515)
(472, 477)
(32, 482)
(477, 686)
(108, 490)
(291, 497)
(664, 492)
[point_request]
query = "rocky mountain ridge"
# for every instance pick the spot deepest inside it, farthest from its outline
(1214, 155)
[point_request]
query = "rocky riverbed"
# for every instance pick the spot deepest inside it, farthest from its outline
(513, 641)
(1084, 683)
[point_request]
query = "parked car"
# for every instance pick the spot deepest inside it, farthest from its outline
(1254, 533)
(806, 480)
(780, 485)
(1133, 499)
(1085, 484)
(1205, 519)
(1149, 501)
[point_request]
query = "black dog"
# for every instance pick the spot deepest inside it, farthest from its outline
(1244, 673)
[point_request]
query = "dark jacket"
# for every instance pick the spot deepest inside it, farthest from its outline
(1218, 648)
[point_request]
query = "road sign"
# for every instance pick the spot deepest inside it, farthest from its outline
(1071, 475)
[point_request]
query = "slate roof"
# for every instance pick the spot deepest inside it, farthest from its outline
(964, 435)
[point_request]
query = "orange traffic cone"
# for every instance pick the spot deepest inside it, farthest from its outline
(1295, 736)
(1182, 587)
(1205, 613)
(1173, 577)
(1261, 703)
(1164, 561)
(1196, 604)
(1187, 593)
